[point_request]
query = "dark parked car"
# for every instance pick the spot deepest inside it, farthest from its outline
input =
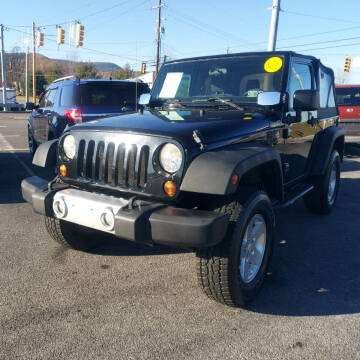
(70, 101)
(224, 141)
(348, 102)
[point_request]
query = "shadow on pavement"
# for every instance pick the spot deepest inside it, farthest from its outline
(351, 165)
(13, 171)
(119, 247)
(316, 262)
(352, 150)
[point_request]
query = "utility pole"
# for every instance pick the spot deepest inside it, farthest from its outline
(158, 32)
(3, 68)
(274, 25)
(27, 75)
(33, 64)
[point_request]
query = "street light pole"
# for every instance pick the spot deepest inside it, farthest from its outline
(33, 64)
(3, 68)
(274, 25)
(158, 31)
(27, 75)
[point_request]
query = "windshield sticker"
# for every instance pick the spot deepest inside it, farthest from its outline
(172, 115)
(273, 64)
(171, 85)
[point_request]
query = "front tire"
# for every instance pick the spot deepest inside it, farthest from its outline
(72, 235)
(233, 271)
(322, 198)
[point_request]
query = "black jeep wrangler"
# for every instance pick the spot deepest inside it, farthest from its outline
(224, 140)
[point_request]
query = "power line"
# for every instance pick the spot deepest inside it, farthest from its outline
(210, 29)
(320, 17)
(85, 48)
(81, 18)
(106, 9)
(280, 40)
(116, 16)
(331, 47)
(320, 42)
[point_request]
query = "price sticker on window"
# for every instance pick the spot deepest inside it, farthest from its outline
(273, 64)
(171, 85)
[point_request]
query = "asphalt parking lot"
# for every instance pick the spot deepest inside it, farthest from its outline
(128, 301)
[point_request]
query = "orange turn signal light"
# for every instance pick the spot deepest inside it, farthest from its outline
(62, 170)
(234, 179)
(170, 188)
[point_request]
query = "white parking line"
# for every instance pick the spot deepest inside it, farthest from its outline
(6, 146)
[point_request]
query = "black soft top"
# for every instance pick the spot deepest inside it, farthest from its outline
(286, 54)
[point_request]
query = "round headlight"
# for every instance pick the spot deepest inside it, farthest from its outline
(69, 146)
(170, 158)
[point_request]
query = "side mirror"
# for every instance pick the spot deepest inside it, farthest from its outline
(144, 99)
(306, 100)
(268, 98)
(29, 106)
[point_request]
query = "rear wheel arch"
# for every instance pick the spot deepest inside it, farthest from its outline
(330, 139)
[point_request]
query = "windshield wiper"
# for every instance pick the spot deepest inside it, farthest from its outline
(173, 103)
(221, 100)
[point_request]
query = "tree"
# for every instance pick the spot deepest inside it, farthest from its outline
(125, 73)
(86, 71)
(40, 83)
(15, 63)
(54, 72)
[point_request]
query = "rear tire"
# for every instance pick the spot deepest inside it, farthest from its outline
(322, 198)
(222, 268)
(72, 235)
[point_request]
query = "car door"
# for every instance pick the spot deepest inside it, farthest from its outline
(38, 118)
(45, 120)
(51, 124)
(300, 127)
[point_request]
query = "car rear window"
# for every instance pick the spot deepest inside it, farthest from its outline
(110, 94)
(348, 96)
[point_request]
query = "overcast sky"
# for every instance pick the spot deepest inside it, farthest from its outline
(124, 31)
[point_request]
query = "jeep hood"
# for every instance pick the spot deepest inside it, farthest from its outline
(213, 126)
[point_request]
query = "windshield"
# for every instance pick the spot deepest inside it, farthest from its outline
(238, 78)
(348, 96)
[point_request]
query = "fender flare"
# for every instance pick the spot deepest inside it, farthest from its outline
(45, 154)
(211, 172)
(325, 143)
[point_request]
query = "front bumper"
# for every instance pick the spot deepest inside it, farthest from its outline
(146, 222)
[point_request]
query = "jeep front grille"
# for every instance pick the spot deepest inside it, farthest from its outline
(119, 165)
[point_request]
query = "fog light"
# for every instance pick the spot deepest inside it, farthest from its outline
(107, 218)
(60, 208)
(170, 188)
(62, 170)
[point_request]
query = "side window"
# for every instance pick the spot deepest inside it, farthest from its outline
(67, 94)
(51, 98)
(42, 99)
(331, 101)
(300, 79)
(326, 90)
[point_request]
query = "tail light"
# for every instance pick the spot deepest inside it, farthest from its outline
(74, 115)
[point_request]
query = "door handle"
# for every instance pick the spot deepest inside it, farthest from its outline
(312, 120)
